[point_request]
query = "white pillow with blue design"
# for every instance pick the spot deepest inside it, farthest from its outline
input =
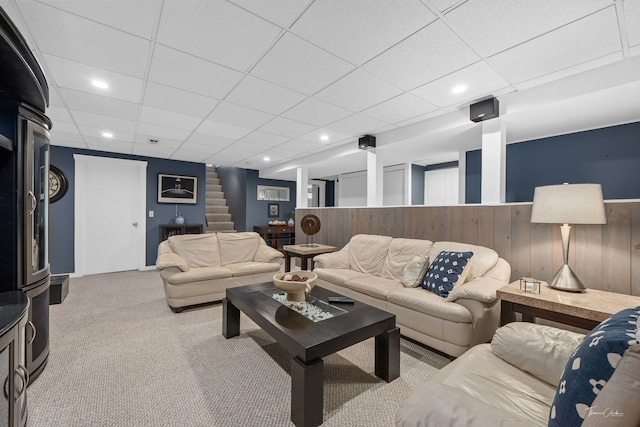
(447, 270)
(591, 366)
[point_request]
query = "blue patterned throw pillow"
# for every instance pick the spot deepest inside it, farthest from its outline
(590, 367)
(447, 270)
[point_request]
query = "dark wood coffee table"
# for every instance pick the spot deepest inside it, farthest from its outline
(308, 341)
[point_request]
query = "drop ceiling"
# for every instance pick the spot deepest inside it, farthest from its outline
(233, 82)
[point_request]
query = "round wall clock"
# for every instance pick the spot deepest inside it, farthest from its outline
(58, 184)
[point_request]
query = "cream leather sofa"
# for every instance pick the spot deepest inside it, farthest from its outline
(371, 268)
(513, 382)
(198, 268)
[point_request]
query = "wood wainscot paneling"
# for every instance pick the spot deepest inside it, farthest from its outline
(605, 257)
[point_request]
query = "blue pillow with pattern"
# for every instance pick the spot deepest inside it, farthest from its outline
(590, 367)
(447, 270)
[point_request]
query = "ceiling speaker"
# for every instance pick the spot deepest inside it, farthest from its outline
(484, 110)
(366, 142)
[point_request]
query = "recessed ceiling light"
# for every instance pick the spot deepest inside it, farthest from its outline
(459, 89)
(107, 134)
(324, 137)
(101, 84)
(266, 159)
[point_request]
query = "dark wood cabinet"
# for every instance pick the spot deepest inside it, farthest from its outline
(277, 236)
(168, 230)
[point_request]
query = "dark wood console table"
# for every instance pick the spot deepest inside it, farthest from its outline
(277, 236)
(168, 230)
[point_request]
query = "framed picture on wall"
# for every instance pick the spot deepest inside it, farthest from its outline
(274, 210)
(177, 189)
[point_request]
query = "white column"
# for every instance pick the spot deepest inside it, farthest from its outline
(408, 183)
(494, 161)
(302, 181)
(374, 178)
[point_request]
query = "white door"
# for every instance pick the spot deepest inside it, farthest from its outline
(441, 187)
(110, 221)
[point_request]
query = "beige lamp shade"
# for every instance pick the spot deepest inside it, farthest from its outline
(568, 204)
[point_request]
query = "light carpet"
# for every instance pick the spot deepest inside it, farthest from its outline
(120, 357)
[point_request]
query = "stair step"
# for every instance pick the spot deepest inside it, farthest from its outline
(224, 217)
(212, 181)
(214, 187)
(220, 226)
(216, 202)
(217, 210)
(215, 194)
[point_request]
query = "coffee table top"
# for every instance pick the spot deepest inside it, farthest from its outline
(309, 250)
(301, 336)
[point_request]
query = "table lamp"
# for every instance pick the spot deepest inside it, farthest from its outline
(568, 204)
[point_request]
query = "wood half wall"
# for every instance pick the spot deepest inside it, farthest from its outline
(605, 257)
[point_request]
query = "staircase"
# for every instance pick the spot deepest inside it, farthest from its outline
(218, 216)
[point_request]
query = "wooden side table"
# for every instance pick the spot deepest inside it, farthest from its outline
(583, 310)
(305, 253)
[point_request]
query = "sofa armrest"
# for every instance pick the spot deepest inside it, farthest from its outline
(540, 350)
(266, 253)
(481, 289)
(171, 259)
(339, 259)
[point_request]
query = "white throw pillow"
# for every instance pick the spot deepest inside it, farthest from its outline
(414, 271)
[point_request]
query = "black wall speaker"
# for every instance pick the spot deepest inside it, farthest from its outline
(366, 142)
(484, 110)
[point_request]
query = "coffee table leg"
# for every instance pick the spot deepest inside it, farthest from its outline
(230, 319)
(507, 312)
(287, 261)
(306, 392)
(388, 355)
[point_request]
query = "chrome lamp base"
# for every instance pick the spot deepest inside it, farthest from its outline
(566, 280)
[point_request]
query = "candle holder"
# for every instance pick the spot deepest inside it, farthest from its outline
(530, 285)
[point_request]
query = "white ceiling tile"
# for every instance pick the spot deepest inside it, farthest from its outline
(114, 147)
(369, 26)
(400, 108)
(223, 130)
(287, 127)
(246, 147)
(66, 127)
(209, 140)
(265, 138)
(300, 66)
(316, 112)
(163, 143)
(484, 23)
(92, 137)
(131, 16)
(357, 91)
(190, 156)
(317, 135)
(264, 96)
(425, 56)
(227, 112)
(169, 67)
(69, 143)
(479, 79)
(161, 132)
(168, 118)
(218, 31)
(54, 98)
(443, 5)
(300, 146)
(81, 40)
(199, 148)
(59, 114)
(162, 153)
(83, 118)
(582, 41)
(280, 12)
(180, 101)
(59, 137)
(106, 106)
(632, 20)
(73, 75)
(357, 125)
(421, 118)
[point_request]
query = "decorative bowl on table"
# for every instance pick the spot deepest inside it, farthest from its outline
(295, 283)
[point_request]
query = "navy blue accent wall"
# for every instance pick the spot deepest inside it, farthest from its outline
(473, 177)
(330, 194)
(257, 210)
(445, 165)
(417, 184)
(609, 156)
(234, 184)
(61, 213)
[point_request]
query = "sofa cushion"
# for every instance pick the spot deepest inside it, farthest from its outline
(414, 271)
(251, 267)
(338, 276)
(483, 257)
(367, 253)
(198, 250)
(429, 303)
(400, 252)
(539, 350)
(237, 247)
(591, 366)
(374, 286)
(448, 269)
(199, 274)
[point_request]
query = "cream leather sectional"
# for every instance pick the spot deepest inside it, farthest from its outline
(372, 269)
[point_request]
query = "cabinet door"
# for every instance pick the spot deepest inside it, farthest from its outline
(4, 376)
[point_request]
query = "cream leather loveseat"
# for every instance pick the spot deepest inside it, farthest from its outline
(373, 269)
(198, 268)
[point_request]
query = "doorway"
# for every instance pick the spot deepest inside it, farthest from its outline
(110, 221)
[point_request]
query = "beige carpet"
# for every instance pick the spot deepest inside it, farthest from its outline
(120, 357)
